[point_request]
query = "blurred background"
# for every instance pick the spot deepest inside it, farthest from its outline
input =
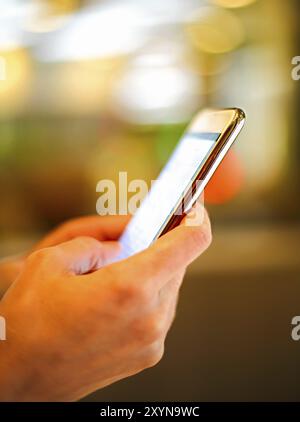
(90, 88)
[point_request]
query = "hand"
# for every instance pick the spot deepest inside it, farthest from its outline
(74, 326)
(101, 228)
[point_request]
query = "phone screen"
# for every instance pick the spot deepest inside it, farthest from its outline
(162, 199)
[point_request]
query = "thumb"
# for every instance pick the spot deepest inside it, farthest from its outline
(78, 256)
(171, 253)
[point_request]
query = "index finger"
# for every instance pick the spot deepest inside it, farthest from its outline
(100, 227)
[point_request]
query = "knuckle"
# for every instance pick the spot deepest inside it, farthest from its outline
(40, 256)
(41, 260)
(202, 236)
(132, 294)
(143, 295)
(127, 294)
(149, 331)
(155, 329)
(153, 355)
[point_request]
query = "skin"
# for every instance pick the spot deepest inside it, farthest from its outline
(75, 325)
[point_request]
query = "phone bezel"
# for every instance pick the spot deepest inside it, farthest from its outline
(228, 122)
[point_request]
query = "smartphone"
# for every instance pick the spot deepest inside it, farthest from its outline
(182, 180)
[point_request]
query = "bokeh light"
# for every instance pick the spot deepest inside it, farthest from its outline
(154, 90)
(15, 83)
(233, 3)
(214, 30)
(227, 180)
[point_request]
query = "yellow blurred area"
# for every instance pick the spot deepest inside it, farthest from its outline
(86, 87)
(62, 6)
(233, 3)
(216, 31)
(51, 15)
(16, 79)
